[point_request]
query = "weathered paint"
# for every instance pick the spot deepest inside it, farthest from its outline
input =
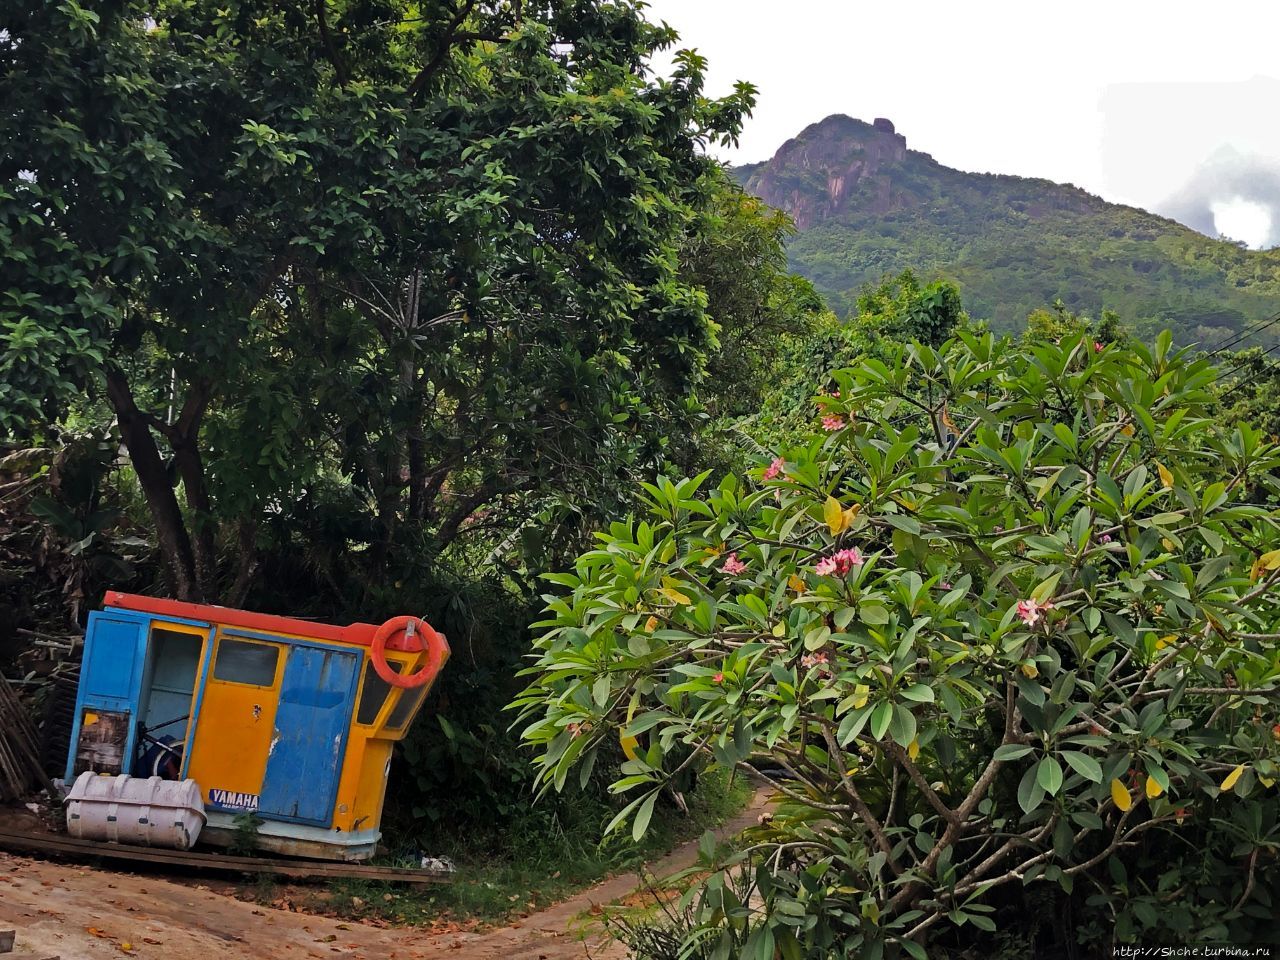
(314, 713)
(115, 646)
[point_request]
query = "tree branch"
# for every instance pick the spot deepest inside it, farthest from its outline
(442, 52)
(331, 48)
(859, 805)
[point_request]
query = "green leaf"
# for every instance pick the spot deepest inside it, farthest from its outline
(643, 816)
(817, 637)
(1030, 793)
(600, 690)
(919, 692)
(903, 725)
(874, 614)
(1049, 775)
(852, 724)
(1012, 751)
(880, 719)
(1083, 764)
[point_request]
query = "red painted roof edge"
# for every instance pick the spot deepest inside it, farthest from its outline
(355, 633)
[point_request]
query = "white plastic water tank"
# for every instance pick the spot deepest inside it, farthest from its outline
(151, 812)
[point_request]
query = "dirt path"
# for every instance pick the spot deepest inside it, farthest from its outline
(79, 913)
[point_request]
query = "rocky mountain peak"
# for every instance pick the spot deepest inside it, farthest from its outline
(813, 175)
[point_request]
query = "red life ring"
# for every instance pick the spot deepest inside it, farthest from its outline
(434, 643)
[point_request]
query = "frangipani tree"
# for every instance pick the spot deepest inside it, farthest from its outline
(1008, 623)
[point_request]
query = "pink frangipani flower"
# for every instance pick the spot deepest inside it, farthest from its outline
(839, 563)
(1030, 611)
(811, 660)
(773, 469)
(732, 564)
(833, 422)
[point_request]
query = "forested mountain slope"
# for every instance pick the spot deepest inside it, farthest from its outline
(866, 205)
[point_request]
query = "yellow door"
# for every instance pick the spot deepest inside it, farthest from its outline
(236, 718)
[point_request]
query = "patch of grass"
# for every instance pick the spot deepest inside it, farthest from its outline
(536, 859)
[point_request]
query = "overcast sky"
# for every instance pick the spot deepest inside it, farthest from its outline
(1137, 101)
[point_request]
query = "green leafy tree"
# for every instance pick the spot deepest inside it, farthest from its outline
(901, 309)
(1007, 627)
(738, 257)
(1250, 393)
(897, 310)
(429, 248)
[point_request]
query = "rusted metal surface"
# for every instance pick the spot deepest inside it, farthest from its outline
(322, 870)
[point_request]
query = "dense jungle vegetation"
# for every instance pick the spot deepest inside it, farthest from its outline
(367, 307)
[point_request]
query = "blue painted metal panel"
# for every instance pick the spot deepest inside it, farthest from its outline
(115, 656)
(313, 719)
(111, 672)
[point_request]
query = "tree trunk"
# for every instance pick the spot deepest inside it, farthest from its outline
(248, 562)
(171, 530)
(186, 455)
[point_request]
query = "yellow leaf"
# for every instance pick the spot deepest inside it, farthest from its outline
(651, 625)
(1165, 476)
(1153, 789)
(1127, 430)
(1168, 544)
(860, 694)
(913, 749)
(1120, 796)
(1030, 670)
(630, 746)
(675, 596)
(779, 629)
(1230, 779)
(796, 583)
(1266, 781)
(1166, 640)
(834, 515)
(1268, 561)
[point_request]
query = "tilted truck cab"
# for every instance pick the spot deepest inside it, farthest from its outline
(285, 719)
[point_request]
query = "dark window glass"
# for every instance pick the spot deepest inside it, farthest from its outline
(243, 662)
(404, 710)
(373, 692)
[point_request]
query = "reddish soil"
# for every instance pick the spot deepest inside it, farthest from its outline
(81, 913)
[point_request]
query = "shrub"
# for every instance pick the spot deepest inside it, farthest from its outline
(1008, 625)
